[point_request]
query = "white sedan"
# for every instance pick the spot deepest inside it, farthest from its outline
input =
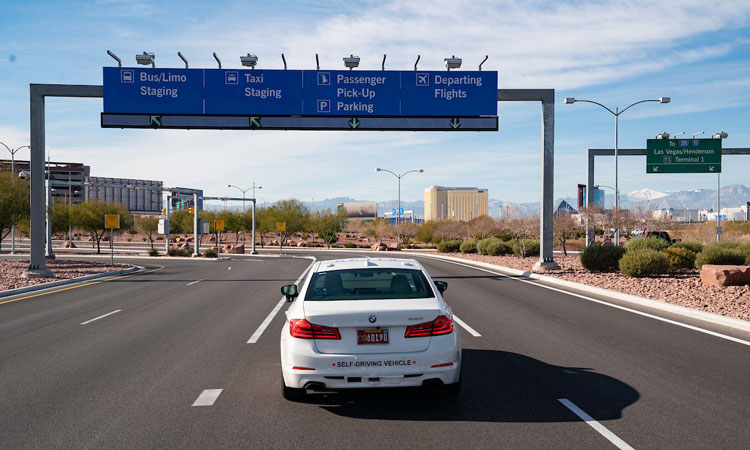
(368, 323)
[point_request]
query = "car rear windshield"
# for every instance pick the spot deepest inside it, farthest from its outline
(368, 284)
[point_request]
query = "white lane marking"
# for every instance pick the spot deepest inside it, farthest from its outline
(229, 268)
(100, 317)
(196, 281)
(602, 302)
(208, 397)
(601, 429)
(254, 338)
(471, 331)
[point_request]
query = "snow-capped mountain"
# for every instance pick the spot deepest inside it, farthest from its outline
(645, 194)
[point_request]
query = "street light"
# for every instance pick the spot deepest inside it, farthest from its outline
(351, 61)
(662, 135)
(253, 187)
(22, 175)
(453, 62)
(398, 216)
(145, 59)
(249, 60)
(616, 113)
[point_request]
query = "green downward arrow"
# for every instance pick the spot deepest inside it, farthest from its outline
(354, 123)
(455, 123)
(155, 121)
(255, 122)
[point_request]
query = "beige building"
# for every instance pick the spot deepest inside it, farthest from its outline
(457, 203)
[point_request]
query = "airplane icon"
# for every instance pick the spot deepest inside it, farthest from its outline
(423, 79)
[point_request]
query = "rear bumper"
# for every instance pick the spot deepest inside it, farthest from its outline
(378, 370)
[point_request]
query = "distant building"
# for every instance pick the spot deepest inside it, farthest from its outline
(143, 196)
(598, 198)
(455, 203)
(564, 208)
(67, 180)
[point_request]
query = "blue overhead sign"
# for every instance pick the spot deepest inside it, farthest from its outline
(299, 92)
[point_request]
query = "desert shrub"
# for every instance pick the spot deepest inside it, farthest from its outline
(597, 258)
(143, 238)
(130, 239)
(468, 246)
(210, 253)
(174, 251)
(350, 245)
(643, 263)
(693, 246)
(720, 254)
(530, 247)
(651, 243)
(153, 252)
(449, 246)
(482, 245)
(680, 258)
(498, 247)
(745, 250)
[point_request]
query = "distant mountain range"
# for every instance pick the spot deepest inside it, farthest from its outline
(731, 196)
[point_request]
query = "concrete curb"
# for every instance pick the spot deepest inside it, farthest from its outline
(51, 284)
(730, 322)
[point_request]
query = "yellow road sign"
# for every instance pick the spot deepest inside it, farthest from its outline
(219, 225)
(280, 227)
(112, 221)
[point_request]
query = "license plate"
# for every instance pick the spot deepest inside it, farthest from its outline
(373, 336)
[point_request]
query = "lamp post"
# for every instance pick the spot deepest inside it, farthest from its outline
(616, 113)
(13, 174)
(718, 135)
(691, 201)
(253, 187)
(398, 211)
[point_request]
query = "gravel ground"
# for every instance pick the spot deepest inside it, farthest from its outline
(683, 288)
(11, 270)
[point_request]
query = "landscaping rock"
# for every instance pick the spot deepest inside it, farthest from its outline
(379, 247)
(715, 275)
(67, 244)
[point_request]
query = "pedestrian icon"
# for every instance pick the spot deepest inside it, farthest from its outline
(423, 79)
(324, 106)
(126, 76)
(232, 78)
(324, 78)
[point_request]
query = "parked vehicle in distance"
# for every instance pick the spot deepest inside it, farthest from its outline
(368, 323)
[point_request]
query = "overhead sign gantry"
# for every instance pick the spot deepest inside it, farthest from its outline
(299, 99)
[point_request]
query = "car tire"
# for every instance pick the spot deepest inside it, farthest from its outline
(291, 394)
(452, 390)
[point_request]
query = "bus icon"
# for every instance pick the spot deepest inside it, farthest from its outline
(126, 76)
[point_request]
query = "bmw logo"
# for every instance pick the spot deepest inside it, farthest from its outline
(372, 319)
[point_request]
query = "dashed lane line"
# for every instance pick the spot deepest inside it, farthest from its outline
(208, 397)
(101, 317)
(601, 429)
(254, 338)
(466, 327)
(192, 283)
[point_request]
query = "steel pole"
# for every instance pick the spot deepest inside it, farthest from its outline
(167, 227)
(398, 216)
(48, 216)
(617, 187)
(255, 252)
(244, 210)
(196, 234)
(13, 227)
(718, 207)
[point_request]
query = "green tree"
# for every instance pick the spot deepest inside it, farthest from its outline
(89, 216)
(61, 217)
(148, 225)
(14, 202)
(180, 221)
(327, 224)
(293, 212)
(263, 224)
(426, 231)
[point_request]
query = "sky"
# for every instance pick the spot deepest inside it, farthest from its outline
(612, 52)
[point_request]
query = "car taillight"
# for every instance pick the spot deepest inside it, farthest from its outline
(441, 325)
(301, 328)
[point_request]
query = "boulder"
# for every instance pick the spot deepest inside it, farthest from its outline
(393, 248)
(67, 244)
(379, 247)
(300, 244)
(211, 238)
(715, 275)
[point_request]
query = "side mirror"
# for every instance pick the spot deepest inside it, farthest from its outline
(290, 292)
(442, 286)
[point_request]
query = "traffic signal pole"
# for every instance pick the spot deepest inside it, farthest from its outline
(196, 235)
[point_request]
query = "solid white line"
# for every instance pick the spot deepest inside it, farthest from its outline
(602, 302)
(601, 429)
(208, 397)
(472, 331)
(254, 338)
(196, 281)
(97, 318)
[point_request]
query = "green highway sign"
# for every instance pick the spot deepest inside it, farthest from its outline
(683, 156)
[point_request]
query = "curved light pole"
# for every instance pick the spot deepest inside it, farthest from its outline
(398, 216)
(616, 113)
(13, 174)
(253, 187)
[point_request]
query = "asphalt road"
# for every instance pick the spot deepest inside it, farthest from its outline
(120, 364)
